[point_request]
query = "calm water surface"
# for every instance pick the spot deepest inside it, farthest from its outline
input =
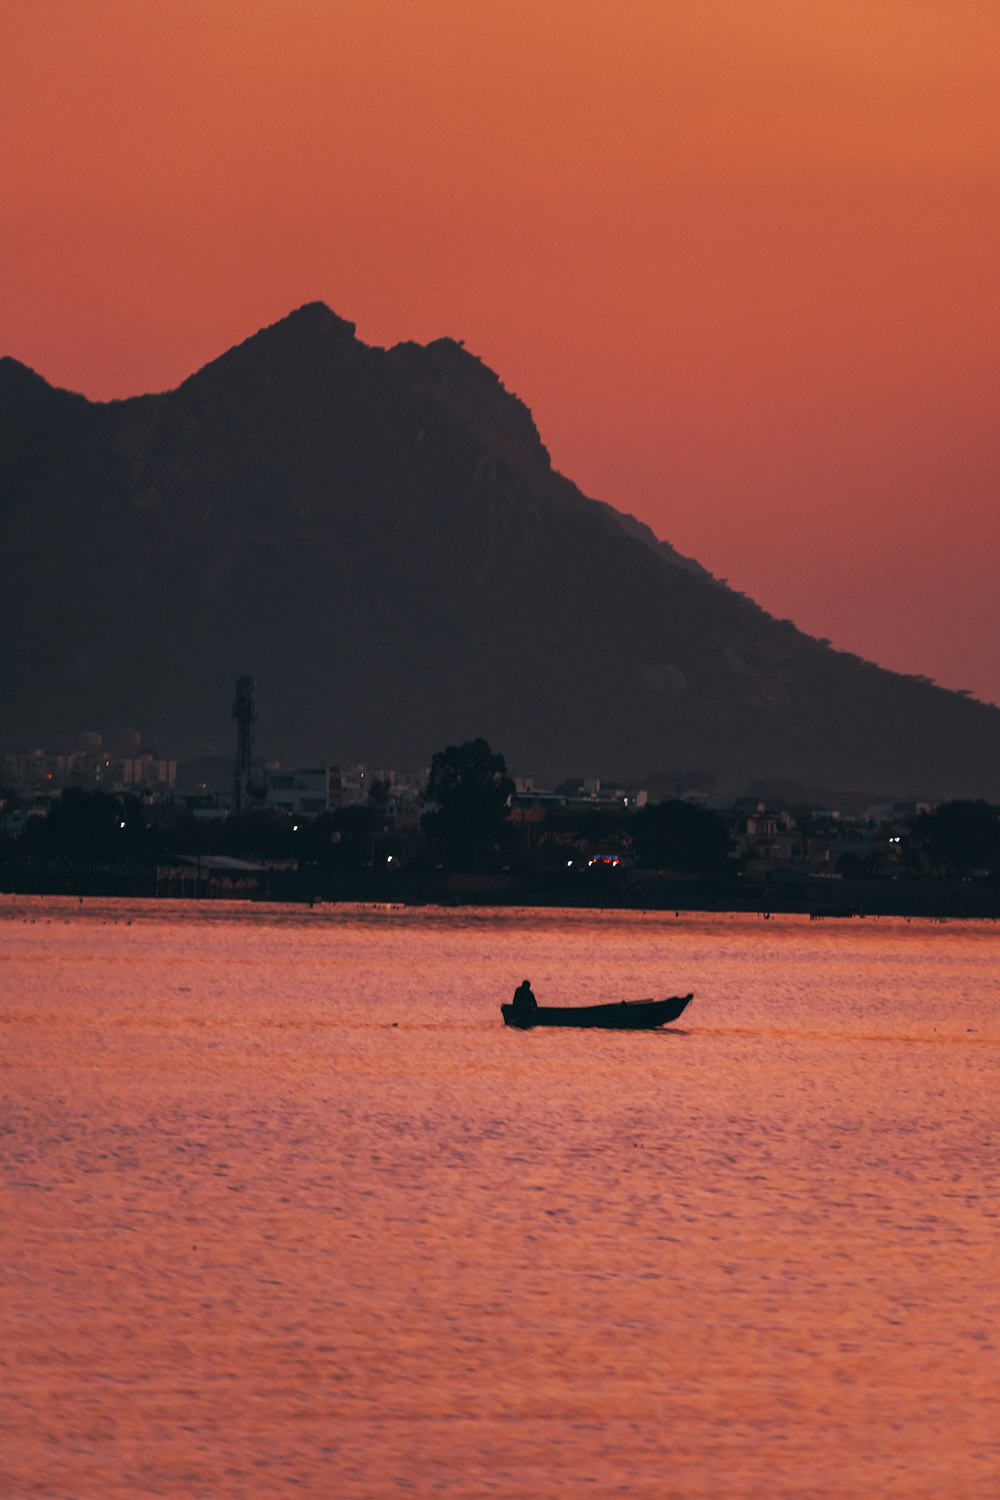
(286, 1210)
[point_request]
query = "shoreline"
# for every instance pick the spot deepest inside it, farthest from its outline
(778, 895)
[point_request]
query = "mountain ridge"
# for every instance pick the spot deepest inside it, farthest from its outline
(380, 537)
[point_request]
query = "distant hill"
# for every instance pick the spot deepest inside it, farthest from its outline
(378, 536)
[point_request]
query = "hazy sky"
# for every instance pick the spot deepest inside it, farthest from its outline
(739, 256)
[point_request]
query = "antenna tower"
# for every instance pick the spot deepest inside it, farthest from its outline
(245, 714)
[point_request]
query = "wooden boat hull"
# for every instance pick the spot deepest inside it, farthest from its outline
(626, 1015)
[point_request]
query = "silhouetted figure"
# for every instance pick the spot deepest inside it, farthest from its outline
(524, 1001)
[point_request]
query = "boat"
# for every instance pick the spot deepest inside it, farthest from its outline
(623, 1015)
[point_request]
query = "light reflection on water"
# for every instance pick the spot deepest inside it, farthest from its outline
(287, 1210)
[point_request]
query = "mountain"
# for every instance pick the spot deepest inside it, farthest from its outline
(379, 537)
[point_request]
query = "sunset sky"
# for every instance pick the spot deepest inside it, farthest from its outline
(739, 256)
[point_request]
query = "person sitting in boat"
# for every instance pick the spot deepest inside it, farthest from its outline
(524, 1000)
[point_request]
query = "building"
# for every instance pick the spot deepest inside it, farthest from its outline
(302, 791)
(146, 770)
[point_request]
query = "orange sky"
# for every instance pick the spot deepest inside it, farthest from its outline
(740, 258)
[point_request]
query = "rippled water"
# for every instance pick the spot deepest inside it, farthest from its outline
(285, 1209)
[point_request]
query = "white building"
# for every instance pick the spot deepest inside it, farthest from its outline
(304, 791)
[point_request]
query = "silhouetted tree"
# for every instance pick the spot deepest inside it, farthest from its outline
(88, 828)
(379, 797)
(355, 829)
(678, 836)
(468, 791)
(960, 837)
(259, 833)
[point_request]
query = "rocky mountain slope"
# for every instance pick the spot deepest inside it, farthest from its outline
(379, 537)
